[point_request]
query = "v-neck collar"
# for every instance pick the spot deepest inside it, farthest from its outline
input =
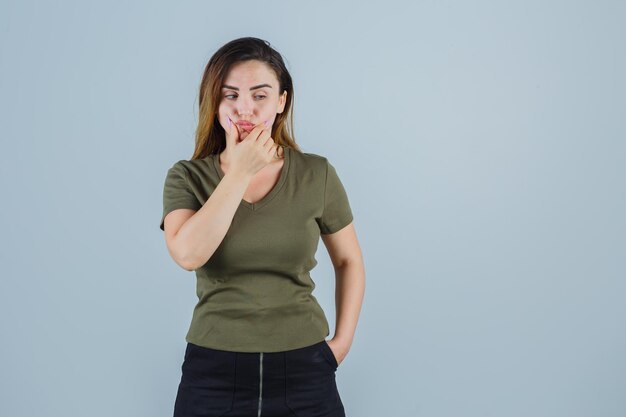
(273, 192)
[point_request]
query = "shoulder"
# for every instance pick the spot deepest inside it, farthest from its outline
(190, 164)
(193, 168)
(309, 161)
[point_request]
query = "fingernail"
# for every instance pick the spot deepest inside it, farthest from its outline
(267, 123)
(229, 123)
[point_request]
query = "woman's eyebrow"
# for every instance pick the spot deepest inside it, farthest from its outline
(251, 88)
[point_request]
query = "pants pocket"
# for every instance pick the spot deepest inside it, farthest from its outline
(330, 356)
(311, 389)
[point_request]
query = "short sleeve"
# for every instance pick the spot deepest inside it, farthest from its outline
(176, 192)
(337, 212)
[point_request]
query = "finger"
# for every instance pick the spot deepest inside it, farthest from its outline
(270, 146)
(233, 131)
(256, 132)
(262, 126)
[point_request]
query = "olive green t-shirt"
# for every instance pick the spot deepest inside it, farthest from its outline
(255, 292)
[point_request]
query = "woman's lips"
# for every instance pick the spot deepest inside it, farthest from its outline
(245, 125)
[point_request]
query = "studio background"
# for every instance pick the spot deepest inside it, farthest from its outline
(481, 145)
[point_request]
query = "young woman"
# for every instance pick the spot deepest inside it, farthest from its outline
(246, 214)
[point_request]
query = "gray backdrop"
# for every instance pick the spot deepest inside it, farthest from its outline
(481, 145)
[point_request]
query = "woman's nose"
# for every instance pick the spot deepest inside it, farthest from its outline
(244, 108)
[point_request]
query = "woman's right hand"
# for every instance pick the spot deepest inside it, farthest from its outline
(252, 153)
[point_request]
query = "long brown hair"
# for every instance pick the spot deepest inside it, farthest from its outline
(210, 135)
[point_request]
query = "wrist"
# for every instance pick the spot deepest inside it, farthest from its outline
(239, 175)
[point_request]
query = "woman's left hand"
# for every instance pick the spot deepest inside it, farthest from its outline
(339, 349)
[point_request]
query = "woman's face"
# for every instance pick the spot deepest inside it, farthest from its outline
(250, 94)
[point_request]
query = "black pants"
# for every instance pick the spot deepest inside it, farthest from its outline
(292, 383)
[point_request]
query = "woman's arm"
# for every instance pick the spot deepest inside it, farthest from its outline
(345, 254)
(193, 236)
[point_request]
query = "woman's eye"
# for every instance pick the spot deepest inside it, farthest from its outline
(260, 97)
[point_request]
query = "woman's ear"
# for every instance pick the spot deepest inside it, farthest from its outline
(281, 102)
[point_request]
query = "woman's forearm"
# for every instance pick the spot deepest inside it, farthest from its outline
(349, 293)
(199, 237)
